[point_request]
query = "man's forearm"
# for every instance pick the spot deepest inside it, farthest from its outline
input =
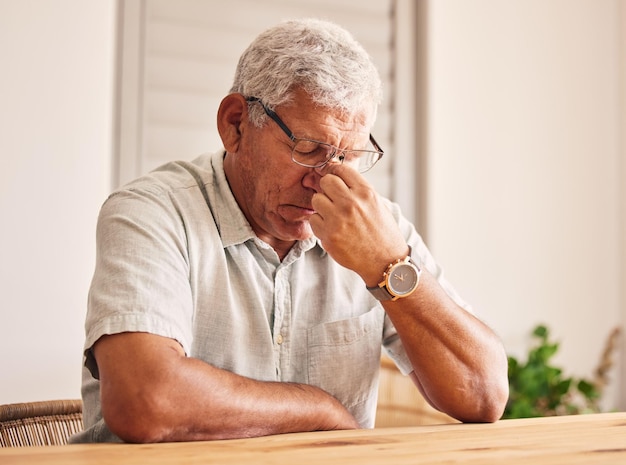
(170, 397)
(225, 405)
(459, 364)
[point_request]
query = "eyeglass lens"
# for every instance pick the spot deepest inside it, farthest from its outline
(315, 154)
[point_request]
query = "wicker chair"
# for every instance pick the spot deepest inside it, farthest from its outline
(46, 423)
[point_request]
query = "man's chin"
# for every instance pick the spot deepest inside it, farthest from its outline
(299, 232)
(293, 224)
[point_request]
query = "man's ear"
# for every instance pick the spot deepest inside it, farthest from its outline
(230, 115)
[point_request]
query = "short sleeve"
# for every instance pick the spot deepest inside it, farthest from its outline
(141, 279)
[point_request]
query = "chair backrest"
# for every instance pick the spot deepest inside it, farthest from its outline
(45, 423)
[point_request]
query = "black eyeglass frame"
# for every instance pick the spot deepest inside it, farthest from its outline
(272, 114)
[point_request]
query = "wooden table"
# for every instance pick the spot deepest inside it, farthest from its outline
(582, 439)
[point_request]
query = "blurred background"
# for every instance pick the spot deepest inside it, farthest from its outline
(504, 127)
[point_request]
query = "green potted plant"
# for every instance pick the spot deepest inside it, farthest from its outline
(537, 388)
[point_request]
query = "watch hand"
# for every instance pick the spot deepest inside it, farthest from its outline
(399, 276)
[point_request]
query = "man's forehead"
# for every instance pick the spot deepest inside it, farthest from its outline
(364, 113)
(303, 110)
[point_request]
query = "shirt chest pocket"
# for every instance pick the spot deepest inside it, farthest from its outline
(344, 359)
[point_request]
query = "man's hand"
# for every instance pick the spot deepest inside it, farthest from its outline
(355, 227)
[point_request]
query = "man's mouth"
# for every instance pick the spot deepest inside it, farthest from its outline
(304, 211)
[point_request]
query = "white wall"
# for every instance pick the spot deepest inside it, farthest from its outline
(524, 160)
(56, 97)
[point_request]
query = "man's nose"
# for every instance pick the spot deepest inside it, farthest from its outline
(311, 179)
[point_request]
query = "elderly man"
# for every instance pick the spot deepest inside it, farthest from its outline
(250, 292)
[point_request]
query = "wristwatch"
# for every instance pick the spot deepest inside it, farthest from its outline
(400, 279)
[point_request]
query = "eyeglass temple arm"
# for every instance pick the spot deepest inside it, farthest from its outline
(376, 146)
(274, 116)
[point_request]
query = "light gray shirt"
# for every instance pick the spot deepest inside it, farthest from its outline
(176, 257)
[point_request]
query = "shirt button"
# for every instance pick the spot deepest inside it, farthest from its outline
(279, 339)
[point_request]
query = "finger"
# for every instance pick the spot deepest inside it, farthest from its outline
(321, 203)
(349, 175)
(334, 187)
(316, 221)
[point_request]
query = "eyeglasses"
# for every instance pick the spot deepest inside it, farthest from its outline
(315, 154)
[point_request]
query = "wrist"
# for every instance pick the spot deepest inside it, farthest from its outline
(400, 279)
(377, 268)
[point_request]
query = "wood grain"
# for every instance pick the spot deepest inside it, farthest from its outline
(581, 439)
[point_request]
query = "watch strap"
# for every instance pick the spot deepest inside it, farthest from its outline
(380, 293)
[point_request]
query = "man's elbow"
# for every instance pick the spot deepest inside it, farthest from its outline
(491, 393)
(140, 420)
(490, 406)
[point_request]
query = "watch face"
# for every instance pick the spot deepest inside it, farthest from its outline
(402, 279)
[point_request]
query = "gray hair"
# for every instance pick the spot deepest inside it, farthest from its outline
(317, 56)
